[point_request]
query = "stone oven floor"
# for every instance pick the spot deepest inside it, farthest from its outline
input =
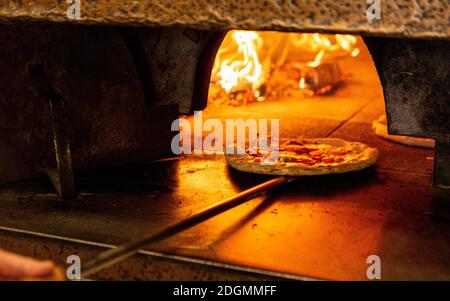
(319, 227)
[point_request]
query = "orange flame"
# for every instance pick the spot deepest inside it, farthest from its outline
(322, 45)
(238, 62)
(242, 66)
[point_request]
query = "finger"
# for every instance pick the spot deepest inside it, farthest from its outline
(56, 275)
(17, 266)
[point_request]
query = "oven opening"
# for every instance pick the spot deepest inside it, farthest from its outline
(317, 85)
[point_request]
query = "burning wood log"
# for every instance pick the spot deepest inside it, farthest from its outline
(289, 65)
(320, 79)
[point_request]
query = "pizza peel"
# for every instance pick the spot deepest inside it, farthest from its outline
(112, 256)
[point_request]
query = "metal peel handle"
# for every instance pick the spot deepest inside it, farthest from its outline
(115, 255)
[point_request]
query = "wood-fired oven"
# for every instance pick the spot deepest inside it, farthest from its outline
(87, 107)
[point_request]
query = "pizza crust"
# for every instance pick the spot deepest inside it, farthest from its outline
(380, 128)
(362, 157)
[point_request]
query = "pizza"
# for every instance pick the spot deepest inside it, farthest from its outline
(380, 128)
(306, 157)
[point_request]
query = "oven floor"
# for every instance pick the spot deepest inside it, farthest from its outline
(319, 227)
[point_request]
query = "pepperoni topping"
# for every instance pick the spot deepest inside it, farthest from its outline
(313, 154)
(307, 161)
(300, 149)
(317, 157)
(339, 152)
(328, 160)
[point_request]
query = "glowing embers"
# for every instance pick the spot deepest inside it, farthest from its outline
(255, 66)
